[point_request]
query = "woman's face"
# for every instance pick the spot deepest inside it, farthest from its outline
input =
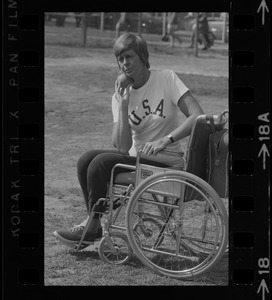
(131, 64)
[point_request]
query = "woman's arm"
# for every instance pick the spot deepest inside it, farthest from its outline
(191, 109)
(121, 133)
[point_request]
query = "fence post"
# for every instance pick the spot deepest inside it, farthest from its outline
(224, 30)
(140, 23)
(163, 23)
(84, 29)
(102, 21)
(196, 35)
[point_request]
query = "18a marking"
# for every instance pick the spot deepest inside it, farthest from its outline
(264, 131)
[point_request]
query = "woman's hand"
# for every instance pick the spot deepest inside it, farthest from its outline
(152, 148)
(122, 94)
(121, 133)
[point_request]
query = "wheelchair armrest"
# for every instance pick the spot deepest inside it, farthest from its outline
(128, 167)
(171, 153)
(165, 152)
(168, 152)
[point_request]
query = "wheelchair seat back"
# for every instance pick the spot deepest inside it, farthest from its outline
(198, 146)
(197, 150)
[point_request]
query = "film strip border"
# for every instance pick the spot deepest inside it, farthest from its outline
(22, 164)
(249, 187)
(23, 167)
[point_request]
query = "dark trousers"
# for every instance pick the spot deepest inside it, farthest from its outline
(94, 171)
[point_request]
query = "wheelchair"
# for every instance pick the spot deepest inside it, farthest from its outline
(171, 219)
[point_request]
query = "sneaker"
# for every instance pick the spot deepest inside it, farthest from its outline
(83, 223)
(72, 236)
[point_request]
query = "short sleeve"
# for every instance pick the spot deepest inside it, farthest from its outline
(175, 87)
(114, 107)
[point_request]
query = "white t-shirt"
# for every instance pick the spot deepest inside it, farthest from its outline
(153, 112)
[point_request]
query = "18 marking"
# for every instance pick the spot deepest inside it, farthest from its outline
(263, 264)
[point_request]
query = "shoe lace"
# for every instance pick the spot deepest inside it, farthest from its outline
(77, 228)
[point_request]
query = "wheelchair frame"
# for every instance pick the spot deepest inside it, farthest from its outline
(175, 222)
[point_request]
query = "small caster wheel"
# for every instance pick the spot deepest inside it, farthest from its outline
(121, 251)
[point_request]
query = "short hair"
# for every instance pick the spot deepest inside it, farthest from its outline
(132, 41)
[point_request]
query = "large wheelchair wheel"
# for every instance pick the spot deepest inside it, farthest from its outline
(191, 224)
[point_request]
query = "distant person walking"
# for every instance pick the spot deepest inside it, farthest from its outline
(172, 27)
(78, 17)
(203, 31)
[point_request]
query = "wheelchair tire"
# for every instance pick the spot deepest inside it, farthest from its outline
(193, 232)
(123, 251)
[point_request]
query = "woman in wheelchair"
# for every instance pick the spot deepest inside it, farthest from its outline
(145, 116)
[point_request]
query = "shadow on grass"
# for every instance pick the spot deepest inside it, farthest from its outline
(85, 255)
